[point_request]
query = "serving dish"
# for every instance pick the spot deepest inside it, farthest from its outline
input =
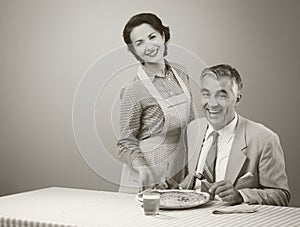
(178, 199)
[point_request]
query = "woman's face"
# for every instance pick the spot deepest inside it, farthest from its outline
(148, 43)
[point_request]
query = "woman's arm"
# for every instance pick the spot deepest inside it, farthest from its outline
(130, 115)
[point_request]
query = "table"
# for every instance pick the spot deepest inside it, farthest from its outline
(67, 207)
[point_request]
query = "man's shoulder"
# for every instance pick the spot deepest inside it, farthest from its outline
(257, 129)
(252, 128)
(198, 122)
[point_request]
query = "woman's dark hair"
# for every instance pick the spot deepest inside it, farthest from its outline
(145, 18)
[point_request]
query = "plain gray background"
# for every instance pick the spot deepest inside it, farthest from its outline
(46, 46)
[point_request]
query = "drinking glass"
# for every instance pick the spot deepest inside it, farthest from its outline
(151, 203)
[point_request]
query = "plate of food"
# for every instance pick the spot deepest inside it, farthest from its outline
(178, 199)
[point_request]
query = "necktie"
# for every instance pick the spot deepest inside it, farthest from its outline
(210, 162)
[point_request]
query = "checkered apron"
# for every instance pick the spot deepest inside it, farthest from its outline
(165, 153)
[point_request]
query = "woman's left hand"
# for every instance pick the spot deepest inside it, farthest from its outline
(146, 177)
(168, 183)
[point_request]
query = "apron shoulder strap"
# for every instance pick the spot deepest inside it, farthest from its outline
(148, 84)
(180, 81)
(152, 90)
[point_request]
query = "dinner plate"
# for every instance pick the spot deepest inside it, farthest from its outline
(178, 199)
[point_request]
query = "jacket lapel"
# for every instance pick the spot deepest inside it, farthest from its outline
(196, 132)
(237, 157)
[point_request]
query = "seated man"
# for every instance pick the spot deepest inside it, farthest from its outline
(233, 157)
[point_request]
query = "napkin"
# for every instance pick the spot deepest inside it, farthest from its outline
(241, 208)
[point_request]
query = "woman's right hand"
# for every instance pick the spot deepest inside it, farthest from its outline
(146, 178)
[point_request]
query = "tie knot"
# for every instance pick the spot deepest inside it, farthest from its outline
(215, 136)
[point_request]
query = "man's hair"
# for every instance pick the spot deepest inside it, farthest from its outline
(145, 18)
(223, 70)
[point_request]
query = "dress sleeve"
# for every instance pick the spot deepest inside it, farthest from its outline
(130, 115)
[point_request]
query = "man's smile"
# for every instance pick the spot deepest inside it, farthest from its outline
(213, 112)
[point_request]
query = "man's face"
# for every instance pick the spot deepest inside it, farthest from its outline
(219, 99)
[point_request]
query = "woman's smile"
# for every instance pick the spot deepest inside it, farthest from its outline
(152, 53)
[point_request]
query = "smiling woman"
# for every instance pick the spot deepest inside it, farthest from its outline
(148, 44)
(155, 109)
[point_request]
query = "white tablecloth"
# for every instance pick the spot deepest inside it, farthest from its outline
(62, 207)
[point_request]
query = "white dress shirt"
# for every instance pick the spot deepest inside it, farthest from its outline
(226, 136)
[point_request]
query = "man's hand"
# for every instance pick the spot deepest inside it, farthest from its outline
(226, 191)
(146, 178)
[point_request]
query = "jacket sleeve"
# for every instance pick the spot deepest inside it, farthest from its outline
(273, 183)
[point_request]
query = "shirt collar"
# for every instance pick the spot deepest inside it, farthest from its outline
(226, 133)
(152, 76)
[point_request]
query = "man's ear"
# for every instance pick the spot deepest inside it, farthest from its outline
(238, 99)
